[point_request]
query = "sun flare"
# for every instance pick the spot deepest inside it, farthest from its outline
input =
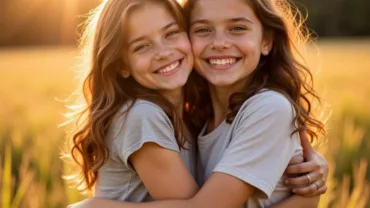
(182, 2)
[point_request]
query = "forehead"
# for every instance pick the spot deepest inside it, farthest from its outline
(220, 10)
(146, 19)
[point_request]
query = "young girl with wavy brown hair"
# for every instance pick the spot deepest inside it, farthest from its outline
(135, 96)
(254, 106)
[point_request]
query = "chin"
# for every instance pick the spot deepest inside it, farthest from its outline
(176, 85)
(220, 82)
(182, 81)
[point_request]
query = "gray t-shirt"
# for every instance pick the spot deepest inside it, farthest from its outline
(256, 147)
(145, 122)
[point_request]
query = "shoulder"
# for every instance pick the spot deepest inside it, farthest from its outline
(138, 123)
(268, 102)
(269, 98)
(142, 109)
(141, 112)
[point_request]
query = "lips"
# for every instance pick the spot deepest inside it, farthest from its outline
(225, 61)
(222, 63)
(169, 68)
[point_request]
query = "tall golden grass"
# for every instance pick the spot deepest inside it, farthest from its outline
(33, 79)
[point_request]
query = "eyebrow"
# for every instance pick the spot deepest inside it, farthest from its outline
(240, 19)
(142, 38)
(235, 19)
(200, 21)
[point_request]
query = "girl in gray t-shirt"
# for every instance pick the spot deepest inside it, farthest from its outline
(132, 142)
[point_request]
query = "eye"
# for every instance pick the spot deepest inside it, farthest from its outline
(202, 30)
(238, 29)
(140, 47)
(173, 32)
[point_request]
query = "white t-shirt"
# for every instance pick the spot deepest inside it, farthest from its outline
(256, 147)
(145, 122)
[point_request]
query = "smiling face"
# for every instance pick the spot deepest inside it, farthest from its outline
(227, 41)
(158, 52)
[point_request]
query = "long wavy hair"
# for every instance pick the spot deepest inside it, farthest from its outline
(104, 90)
(283, 70)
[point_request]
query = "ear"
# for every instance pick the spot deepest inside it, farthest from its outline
(125, 73)
(124, 68)
(267, 43)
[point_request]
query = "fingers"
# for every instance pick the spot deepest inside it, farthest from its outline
(305, 190)
(305, 143)
(302, 168)
(296, 160)
(324, 167)
(304, 180)
(314, 189)
(321, 191)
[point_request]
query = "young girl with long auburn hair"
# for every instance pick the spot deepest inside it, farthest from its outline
(135, 96)
(254, 105)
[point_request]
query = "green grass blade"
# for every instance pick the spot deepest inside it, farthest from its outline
(22, 189)
(7, 178)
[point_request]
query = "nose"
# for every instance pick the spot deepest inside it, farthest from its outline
(163, 53)
(220, 42)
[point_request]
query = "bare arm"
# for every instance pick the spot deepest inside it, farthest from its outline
(298, 202)
(220, 191)
(163, 173)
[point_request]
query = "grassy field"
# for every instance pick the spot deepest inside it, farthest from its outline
(34, 79)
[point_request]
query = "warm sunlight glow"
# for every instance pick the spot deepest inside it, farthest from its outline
(182, 2)
(68, 20)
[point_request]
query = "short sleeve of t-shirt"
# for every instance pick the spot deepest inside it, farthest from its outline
(262, 143)
(144, 122)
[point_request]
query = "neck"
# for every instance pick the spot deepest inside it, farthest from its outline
(176, 98)
(220, 96)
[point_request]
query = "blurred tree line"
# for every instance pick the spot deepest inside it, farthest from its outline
(51, 22)
(337, 17)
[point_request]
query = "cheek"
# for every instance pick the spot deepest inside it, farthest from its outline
(198, 46)
(183, 44)
(250, 47)
(139, 64)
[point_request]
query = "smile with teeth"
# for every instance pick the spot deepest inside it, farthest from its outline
(222, 62)
(169, 68)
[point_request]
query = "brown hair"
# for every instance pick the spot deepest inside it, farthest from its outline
(282, 70)
(104, 90)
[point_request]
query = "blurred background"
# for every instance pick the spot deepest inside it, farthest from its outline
(38, 50)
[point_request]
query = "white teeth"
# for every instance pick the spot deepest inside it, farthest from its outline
(169, 68)
(218, 62)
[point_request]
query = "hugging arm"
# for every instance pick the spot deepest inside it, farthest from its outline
(149, 147)
(163, 173)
